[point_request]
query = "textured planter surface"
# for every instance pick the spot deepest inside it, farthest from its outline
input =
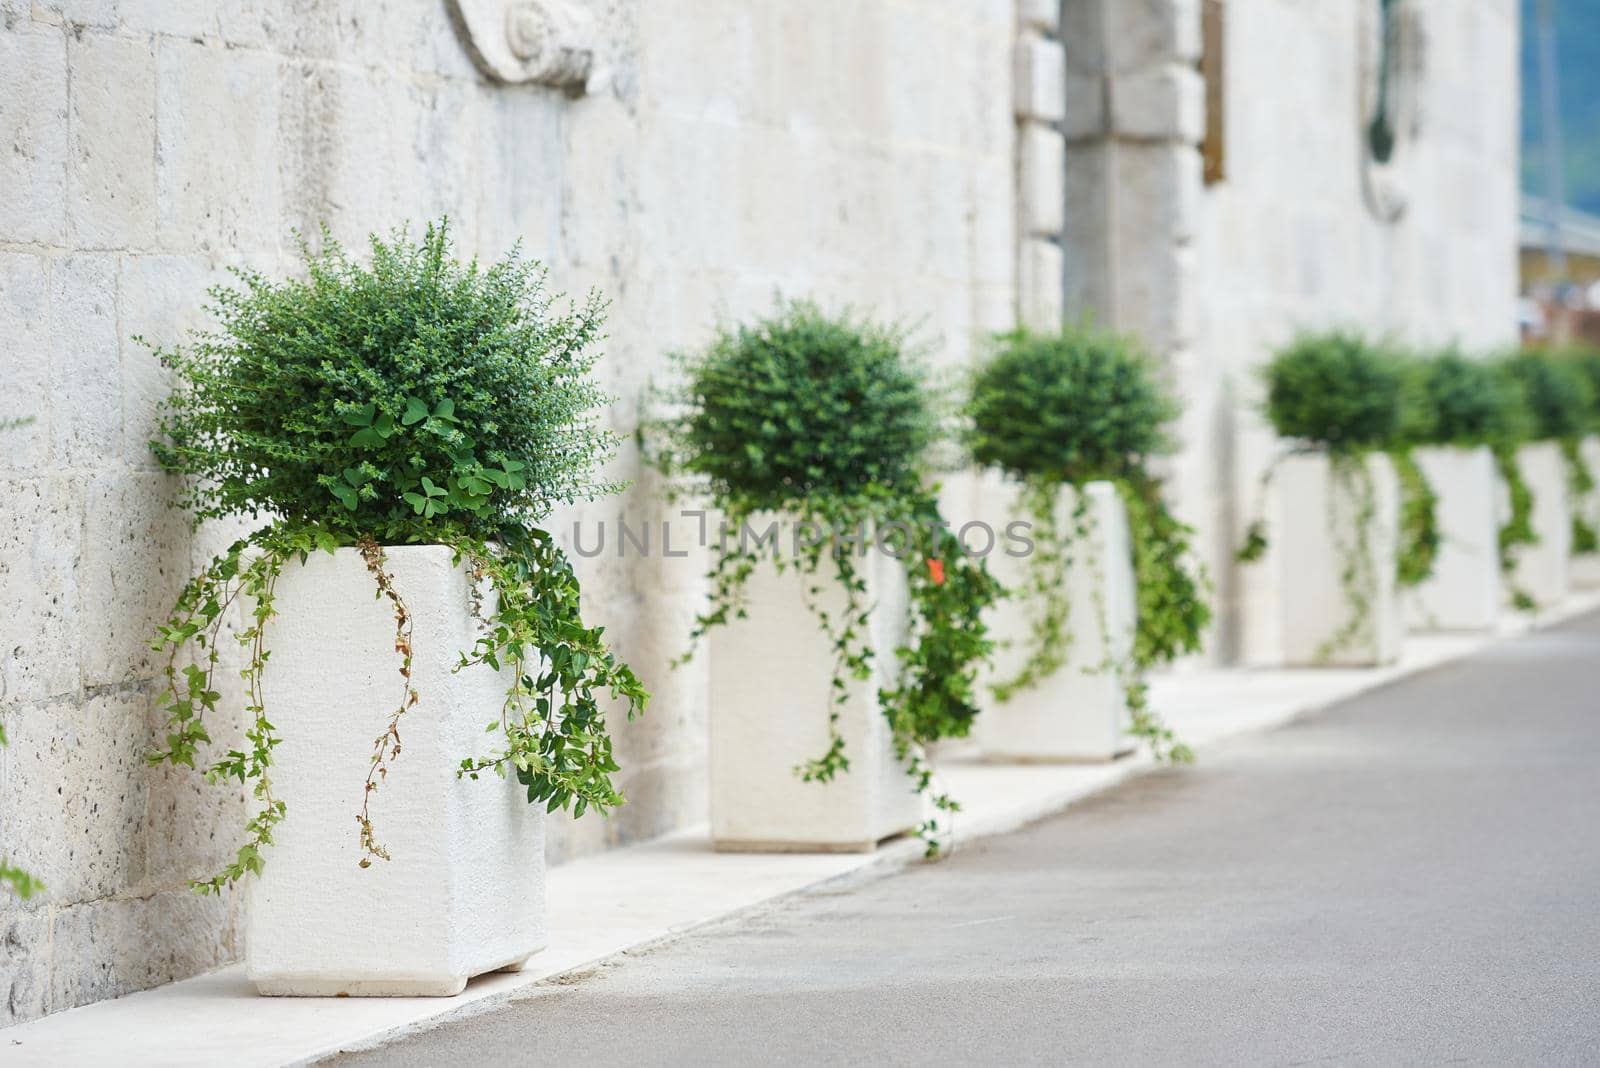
(1315, 529)
(1542, 570)
(1584, 571)
(769, 698)
(464, 892)
(1465, 591)
(1079, 712)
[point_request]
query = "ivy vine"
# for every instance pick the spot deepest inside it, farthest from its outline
(414, 400)
(1420, 537)
(1580, 495)
(1517, 532)
(1352, 481)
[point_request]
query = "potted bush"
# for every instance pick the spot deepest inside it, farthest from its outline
(1065, 426)
(1335, 502)
(1583, 463)
(398, 429)
(845, 622)
(1459, 413)
(1549, 464)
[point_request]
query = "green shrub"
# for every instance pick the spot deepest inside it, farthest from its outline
(1334, 391)
(1073, 407)
(828, 420)
(412, 400)
(1559, 400)
(1585, 360)
(801, 406)
(1452, 399)
(1067, 409)
(395, 400)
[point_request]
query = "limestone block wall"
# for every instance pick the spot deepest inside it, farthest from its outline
(859, 151)
(1291, 240)
(1213, 277)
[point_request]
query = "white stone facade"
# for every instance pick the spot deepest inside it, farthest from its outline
(1214, 276)
(862, 153)
(896, 155)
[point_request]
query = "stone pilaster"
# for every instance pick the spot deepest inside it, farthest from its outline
(1041, 106)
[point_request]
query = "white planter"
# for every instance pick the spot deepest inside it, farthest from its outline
(770, 693)
(1464, 591)
(1542, 570)
(1079, 712)
(1584, 571)
(1313, 529)
(464, 892)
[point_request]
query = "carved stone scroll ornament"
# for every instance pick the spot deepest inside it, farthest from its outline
(550, 42)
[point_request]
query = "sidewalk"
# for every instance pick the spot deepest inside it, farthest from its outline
(622, 900)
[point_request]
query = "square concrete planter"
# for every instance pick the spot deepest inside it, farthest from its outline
(1542, 570)
(464, 892)
(1313, 524)
(1465, 590)
(1584, 571)
(1079, 712)
(770, 694)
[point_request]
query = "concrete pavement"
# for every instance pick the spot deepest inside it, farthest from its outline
(1413, 876)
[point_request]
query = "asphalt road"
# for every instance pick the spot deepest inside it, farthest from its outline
(1409, 878)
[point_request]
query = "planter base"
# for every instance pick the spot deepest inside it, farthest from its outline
(1318, 521)
(769, 703)
(1464, 591)
(316, 987)
(722, 845)
(464, 892)
(1048, 759)
(1079, 713)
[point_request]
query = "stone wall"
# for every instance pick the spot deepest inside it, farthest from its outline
(859, 151)
(954, 164)
(1300, 233)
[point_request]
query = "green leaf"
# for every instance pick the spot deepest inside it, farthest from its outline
(416, 411)
(361, 416)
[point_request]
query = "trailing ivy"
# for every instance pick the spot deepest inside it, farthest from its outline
(1517, 531)
(1556, 403)
(411, 400)
(824, 420)
(1580, 491)
(1419, 522)
(1063, 410)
